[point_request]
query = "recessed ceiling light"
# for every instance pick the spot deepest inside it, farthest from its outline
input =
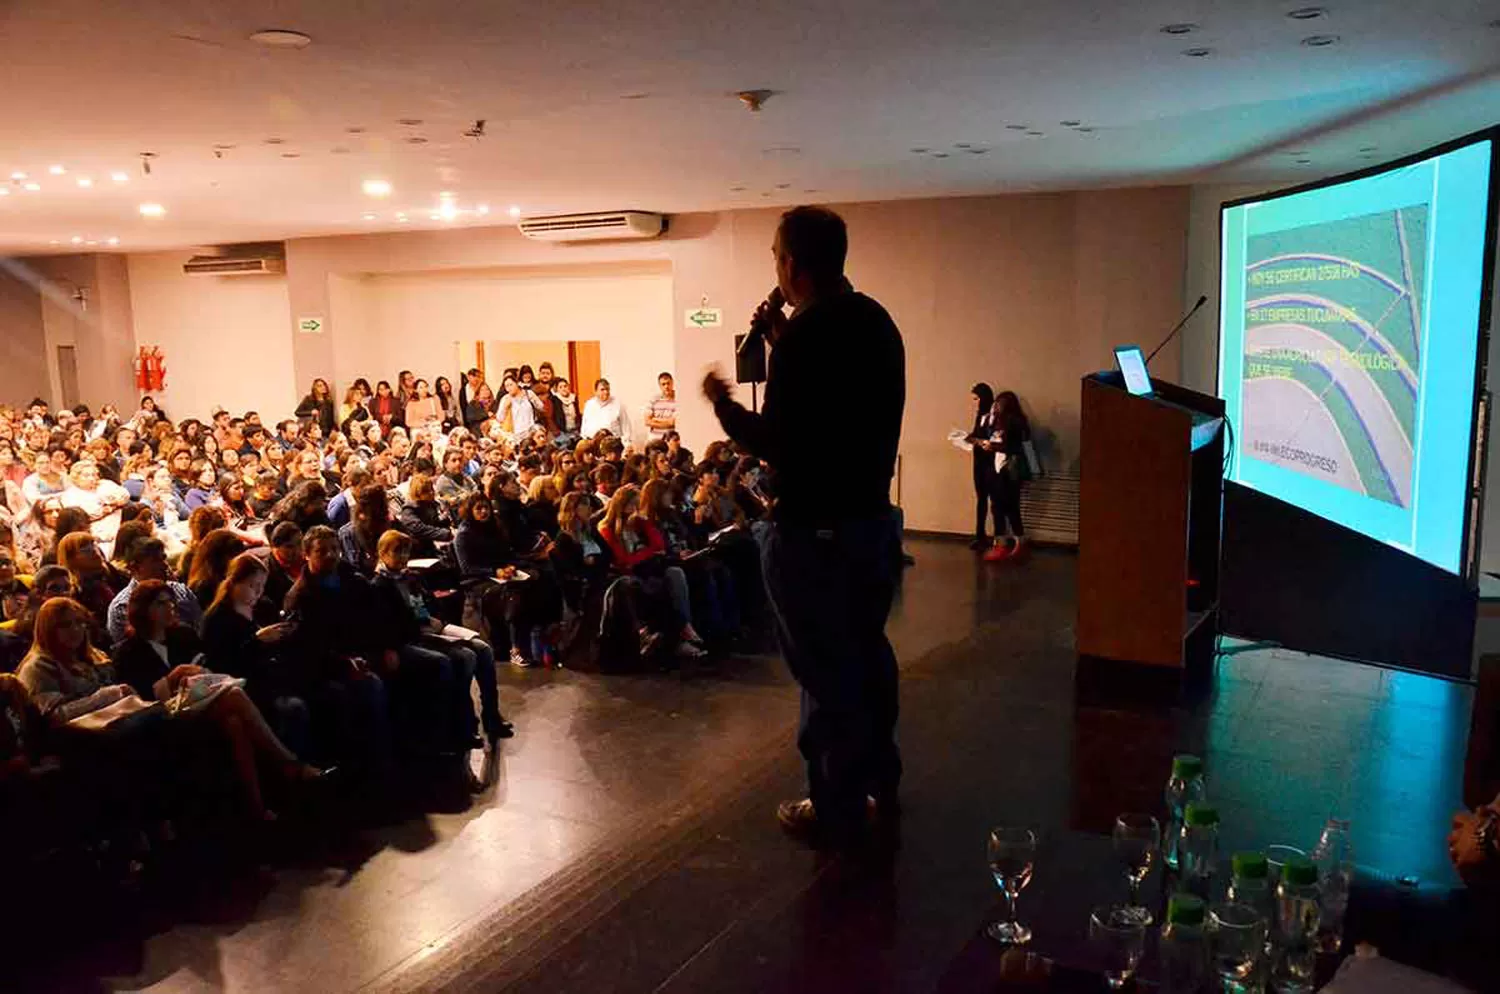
(977, 151)
(1018, 127)
(152, 210)
(119, 177)
(1036, 134)
(85, 182)
(732, 189)
(291, 155)
(1368, 148)
(1306, 13)
(223, 147)
(112, 240)
(1304, 162)
(1085, 130)
(783, 186)
(920, 151)
(56, 170)
(1320, 41)
(516, 211)
(482, 209)
(962, 145)
(281, 38)
(376, 187)
(275, 141)
(370, 217)
(811, 189)
(415, 140)
(92, 241)
(935, 155)
(434, 216)
(32, 187)
(1179, 28)
(402, 218)
(354, 130)
(18, 175)
(410, 122)
(1070, 124)
(76, 240)
(634, 96)
(1198, 53)
(338, 150)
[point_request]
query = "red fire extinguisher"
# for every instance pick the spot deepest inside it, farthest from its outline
(142, 380)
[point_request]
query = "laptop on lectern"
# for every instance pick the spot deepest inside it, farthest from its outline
(1132, 367)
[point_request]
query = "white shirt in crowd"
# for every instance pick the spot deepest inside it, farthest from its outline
(522, 408)
(609, 416)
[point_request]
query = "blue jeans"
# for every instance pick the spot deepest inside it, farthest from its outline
(476, 659)
(830, 591)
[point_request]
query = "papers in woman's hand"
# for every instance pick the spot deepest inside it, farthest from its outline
(457, 633)
(959, 439)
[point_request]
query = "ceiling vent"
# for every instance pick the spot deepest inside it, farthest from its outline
(259, 259)
(594, 227)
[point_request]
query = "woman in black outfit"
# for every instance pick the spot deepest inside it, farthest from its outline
(984, 466)
(317, 406)
(233, 645)
(1009, 433)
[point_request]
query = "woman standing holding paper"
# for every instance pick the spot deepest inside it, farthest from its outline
(1010, 434)
(984, 467)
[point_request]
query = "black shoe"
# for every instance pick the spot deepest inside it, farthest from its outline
(475, 742)
(505, 731)
(907, 559)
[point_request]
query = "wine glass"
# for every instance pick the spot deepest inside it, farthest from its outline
(1119, 937)
(1137, 840)
(1237, 936)
(1012, 852)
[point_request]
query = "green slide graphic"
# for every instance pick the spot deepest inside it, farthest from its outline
(1333, 349)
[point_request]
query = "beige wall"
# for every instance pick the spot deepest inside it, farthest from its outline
(226, 339)
(500, 356)
(23, 339)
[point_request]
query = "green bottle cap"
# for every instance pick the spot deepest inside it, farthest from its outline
(1299, 871)
(1186, 767)
(1201, 815)
(1250, 865)
(1185, 909)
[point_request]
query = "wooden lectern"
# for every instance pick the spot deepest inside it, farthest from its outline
(1148, 524)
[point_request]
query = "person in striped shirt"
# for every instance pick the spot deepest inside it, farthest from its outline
(661, 413)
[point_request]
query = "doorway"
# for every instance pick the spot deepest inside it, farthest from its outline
(67, 375)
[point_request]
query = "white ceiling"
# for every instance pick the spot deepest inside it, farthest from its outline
(592, 105)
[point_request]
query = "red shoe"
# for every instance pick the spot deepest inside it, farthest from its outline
(998, 554)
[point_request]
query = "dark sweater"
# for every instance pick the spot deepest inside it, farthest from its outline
(852, 333)
(137, 663)
(423, 521)
(332, 619)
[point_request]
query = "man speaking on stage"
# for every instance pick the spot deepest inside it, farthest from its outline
(832, 554)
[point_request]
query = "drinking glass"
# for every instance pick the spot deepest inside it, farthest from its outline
(1276, 857)
(1119, 938)
(1237, 937)
(1137, 839)
(1012, 852)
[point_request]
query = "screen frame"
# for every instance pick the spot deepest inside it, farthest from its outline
(1469, 547)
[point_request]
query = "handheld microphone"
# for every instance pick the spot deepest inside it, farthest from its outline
(761, 322)
(1178, 327)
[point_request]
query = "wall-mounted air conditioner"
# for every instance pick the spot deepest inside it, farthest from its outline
(259, 259)
(593, 227)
